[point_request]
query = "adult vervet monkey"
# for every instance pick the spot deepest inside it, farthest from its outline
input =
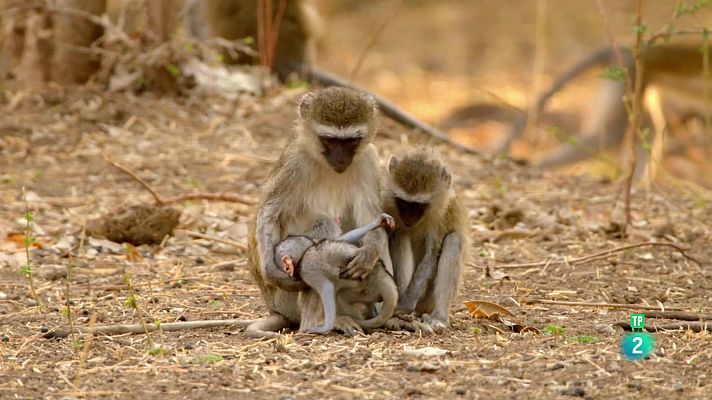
(329, 167)
(430, 242)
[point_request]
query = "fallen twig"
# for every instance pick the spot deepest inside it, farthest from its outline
(607, 305)
(232, 198)
(698, 326)
(229, 242)
(138, 328)
(681, 315)
(599, 255)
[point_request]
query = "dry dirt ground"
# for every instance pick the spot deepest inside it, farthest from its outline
(51, 141)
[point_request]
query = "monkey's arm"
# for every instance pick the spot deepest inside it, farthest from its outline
(365, 260)
(268, 236)
(424, 273)
(355, 235)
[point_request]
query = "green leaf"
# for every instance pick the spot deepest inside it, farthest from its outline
(130, 301)
(642, 28)
(28, 240)
(173, 70)
(248, 40)
(475, 330)
(26, 270)
(219, 58)
(208, 359)
(613, 73)
(298, 84)
(554, 330)
(586, 339)
(157, 350)
(29, 216)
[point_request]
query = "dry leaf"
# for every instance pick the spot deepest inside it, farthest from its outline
(496, 274)
(485, 309)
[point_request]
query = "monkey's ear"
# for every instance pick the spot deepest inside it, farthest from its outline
(305, 103)
(392, 163)
(446, 176)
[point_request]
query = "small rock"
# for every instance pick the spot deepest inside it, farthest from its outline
(30, 303)
(555, 366)
(635, 385)
(5, 338)
(188, 346)
(678, 387)
(199, 261)
(3, 296)
(460, 391)
(44, 329)
(574, 391)
(605, 329)
(422, 367)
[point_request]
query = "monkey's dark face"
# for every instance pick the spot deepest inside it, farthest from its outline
(339, 152)
(410, 212)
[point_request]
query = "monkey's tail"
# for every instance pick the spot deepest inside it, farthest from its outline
(389, 109)
(600, 56)
(389, 292)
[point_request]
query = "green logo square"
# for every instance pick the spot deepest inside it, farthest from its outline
(637, 321)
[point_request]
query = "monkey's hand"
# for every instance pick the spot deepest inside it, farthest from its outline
(347, 325)
(362, 264)
(366, 256)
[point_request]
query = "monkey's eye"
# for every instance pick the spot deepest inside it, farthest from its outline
(330, 143)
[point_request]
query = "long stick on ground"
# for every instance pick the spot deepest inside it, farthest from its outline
(138, 328)
(675, 326)
(606, 305)
(681, 315)
(601, 254)
(231, 198)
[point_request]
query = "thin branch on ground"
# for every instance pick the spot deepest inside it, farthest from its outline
(698, 326)
(139, 328)
(229, 242)
(604, 305)
(227, 197)
(681, 315)
(600, 255)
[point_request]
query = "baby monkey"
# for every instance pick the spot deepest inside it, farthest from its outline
(319, 263)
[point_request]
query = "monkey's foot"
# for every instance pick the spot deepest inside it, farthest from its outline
(408, 316)
(347, 325)
(436, 325)
(398, 324)
(320, 330)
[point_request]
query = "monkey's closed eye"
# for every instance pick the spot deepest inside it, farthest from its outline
(332, 142)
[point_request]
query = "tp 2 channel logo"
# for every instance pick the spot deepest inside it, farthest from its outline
(637, 345)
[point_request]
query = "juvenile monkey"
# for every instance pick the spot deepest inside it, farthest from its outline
(330, 166)
(319, 263)
(430, 241)
(674, 69)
